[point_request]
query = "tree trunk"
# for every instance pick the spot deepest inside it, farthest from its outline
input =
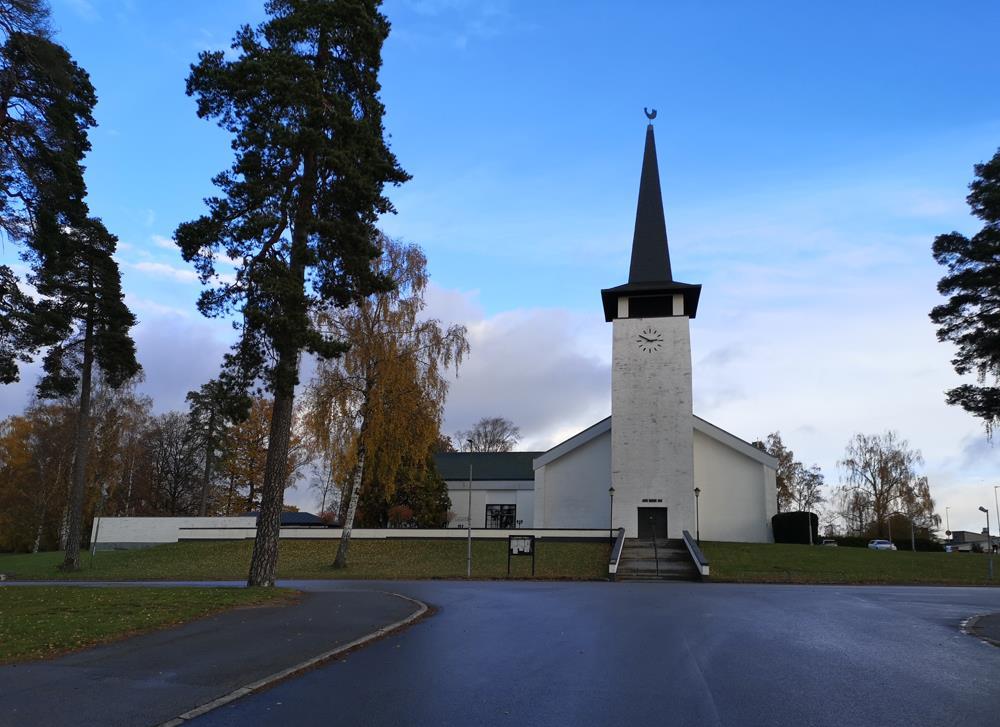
(352, 507)
(359, 475)
(71, 562)
(209, 451)
(41, 526)
(265, 546)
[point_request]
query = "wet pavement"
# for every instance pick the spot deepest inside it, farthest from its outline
(655, 653)
(149, 679)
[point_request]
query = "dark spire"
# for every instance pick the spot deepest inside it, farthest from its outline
(651, 289)
(650, 254)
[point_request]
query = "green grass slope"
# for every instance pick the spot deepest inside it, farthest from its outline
(372, 559)
(780, 563)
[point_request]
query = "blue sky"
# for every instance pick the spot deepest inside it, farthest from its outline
(809, 153)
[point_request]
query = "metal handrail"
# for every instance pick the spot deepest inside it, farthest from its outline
(616, 552)
(656, 556)
(700, 561)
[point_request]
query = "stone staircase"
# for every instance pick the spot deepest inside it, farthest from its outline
(655, 560)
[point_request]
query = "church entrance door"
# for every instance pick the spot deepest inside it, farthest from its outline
(652, 522)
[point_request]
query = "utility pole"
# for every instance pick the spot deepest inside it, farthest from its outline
(468, 557)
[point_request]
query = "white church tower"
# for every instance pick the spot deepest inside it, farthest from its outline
(652, 438)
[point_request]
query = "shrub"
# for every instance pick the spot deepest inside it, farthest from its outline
(794, 527)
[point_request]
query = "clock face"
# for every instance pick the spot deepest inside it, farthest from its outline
(650, 340)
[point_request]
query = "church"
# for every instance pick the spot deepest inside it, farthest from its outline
(653, 467)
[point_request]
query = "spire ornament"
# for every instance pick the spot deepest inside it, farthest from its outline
(649, 114)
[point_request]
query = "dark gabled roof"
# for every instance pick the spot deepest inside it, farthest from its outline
(650, 273)
(504, 466)
(296, 519)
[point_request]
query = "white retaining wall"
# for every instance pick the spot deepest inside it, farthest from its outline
(133, 532)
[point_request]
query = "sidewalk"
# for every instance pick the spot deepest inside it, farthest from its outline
(154, 678)
(986, 627)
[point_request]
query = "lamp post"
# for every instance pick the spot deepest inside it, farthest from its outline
(995, 502)
(989, 544)
(697, 514)
(468, 556)
(611, 516)
(947, 522)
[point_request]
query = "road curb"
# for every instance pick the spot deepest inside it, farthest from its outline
(970, 627)
(422, 609)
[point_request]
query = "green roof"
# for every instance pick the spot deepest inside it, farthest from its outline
(454, 466)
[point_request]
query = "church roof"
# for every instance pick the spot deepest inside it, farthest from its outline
(496, 466)
(650, 273)
(700, 425)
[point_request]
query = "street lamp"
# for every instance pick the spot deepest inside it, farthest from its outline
(611, 516)
(697, 514)
(468, 557)
(947, 521)
(998, 507)
(989, 543)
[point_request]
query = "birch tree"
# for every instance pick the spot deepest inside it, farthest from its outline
(379, 406)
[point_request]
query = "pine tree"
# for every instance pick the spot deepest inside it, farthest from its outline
(213, 409)
(45, 111)
(971, 317)
(299, 205)
(83, 319)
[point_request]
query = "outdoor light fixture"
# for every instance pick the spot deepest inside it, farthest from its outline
(611, 516)
(697, 515)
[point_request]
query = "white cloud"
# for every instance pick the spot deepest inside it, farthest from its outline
(163, 242)
(163, 270)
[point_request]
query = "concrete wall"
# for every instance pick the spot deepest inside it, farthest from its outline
(138, 532)
(572, 491)
(652, 454)
(124, 532)
(737, 493)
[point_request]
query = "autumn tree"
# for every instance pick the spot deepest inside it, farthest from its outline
(244, 457)
(970, 318)
(880, 478)
(299, 205)
(490, 434)
(378, 408)
(798, 486)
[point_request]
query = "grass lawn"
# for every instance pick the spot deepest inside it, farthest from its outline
(42, 621)
(781, 563)
(388, 559)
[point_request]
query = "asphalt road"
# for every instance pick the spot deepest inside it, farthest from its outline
(152, 678)
(655, 654)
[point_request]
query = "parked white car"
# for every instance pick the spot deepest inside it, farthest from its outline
(880, 545)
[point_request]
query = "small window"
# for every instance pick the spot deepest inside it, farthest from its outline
(501, 517)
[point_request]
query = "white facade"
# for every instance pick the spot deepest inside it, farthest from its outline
(491, 492)
(737, 496)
